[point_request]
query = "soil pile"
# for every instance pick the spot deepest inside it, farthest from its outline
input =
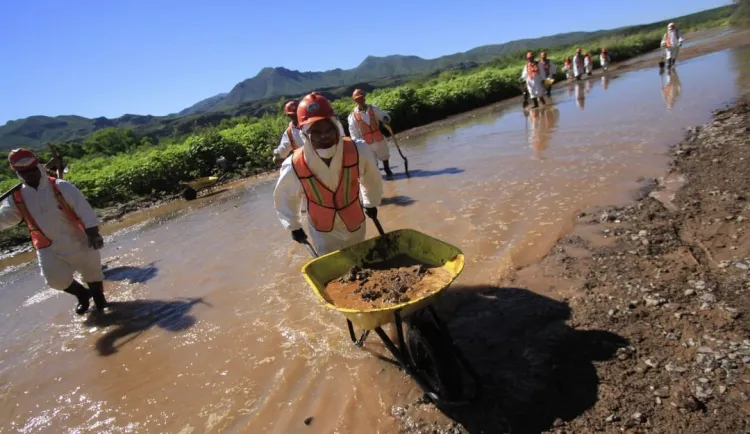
(381, 284)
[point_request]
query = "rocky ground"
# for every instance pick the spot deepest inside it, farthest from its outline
(651, 334)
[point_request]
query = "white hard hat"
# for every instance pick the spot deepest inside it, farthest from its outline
(670, 25)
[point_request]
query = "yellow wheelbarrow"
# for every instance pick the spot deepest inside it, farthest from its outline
(207, 183)
(425, 350)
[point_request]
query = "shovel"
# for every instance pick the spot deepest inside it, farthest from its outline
(395, 142)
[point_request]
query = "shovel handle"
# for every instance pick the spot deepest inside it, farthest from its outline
(310, 249)
(378, 226)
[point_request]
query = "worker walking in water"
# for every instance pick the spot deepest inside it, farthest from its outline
(548, 70)
(334, 174)
(292, 137)
(578, 64)
(63, 226)
(364, 124)
(671, 42)
(588, 63)
(568, 68)
(604, 59)
(532, 76)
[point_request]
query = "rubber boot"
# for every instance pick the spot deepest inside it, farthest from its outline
(387, 169)
(97, 293)
(541, 98)
(82, 294)
(536, 102)
(549, 91)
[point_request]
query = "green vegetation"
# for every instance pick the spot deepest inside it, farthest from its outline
(115, 165)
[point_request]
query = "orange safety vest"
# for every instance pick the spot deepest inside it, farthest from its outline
(289, 134)
(546, 66)
(370, 132)
(532, 68)
(668, 40)
(322, 203)
(38, 239)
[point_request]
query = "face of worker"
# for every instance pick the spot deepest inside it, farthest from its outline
(360, 102)
(30, 176)
(323, 134)
(293, 118)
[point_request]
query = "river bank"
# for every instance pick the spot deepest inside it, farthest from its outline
(636, 321)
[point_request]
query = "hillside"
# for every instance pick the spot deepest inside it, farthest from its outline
(260, 94)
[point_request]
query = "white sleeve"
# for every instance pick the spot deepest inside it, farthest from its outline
(9, 214)
(287, 197)
(354, 132)
(285, 146)
(664, 40)
(382, 116)
(370, 180)
(524, 74)
(552, 68)
(679, 37)
(78, 203)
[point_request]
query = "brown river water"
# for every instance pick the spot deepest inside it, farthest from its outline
(214, 328)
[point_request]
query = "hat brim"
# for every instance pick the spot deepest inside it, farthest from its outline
(312, 120)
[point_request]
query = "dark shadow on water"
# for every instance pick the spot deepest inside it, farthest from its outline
(128, 319)
(130, 274)
(397, 200)
(418, 173)
(533, 367)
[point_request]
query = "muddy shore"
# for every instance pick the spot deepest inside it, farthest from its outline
(635, 322)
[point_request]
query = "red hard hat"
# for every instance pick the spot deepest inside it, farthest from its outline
(543, 55)
(529, 55)
(313, 108)
(21, 159)
(358, 93)
(290, 108)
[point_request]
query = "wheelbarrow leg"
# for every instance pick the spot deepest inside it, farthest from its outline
(358, 342)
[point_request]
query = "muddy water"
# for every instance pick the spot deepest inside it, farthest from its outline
(214, 329)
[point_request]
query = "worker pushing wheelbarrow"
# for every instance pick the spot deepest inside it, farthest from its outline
(338, 179)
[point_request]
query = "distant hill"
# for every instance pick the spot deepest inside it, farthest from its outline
(260, 94)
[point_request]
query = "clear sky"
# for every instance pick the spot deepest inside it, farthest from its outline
(107, 58)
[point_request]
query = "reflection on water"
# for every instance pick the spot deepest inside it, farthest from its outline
(265, 355)
(670, 88)
(605, 82)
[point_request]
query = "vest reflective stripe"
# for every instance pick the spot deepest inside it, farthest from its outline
(289, 135)
(370, 132)
(38, 239)
(323, 204)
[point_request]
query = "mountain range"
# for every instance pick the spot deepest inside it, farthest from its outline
(261, 93)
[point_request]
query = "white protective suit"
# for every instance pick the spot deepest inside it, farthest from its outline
(671, 41)
(552, 69)
(69, 251)
(671, 89)
(604, 60)
(533, 81)
(588, 64)
(568, 69)
(578, 65)
(285, 145)
(289, 193)
(379, 148)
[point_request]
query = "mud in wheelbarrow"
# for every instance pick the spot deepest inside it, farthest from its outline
(424, 348)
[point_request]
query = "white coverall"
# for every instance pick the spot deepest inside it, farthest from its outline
(69, 251)
(588, 64)
(533, 83)
(552, 70)
(289, 193)
(285, 145)
(568, 69)
(674, 38)
(379, 148)
(604, 60)
(578, 65)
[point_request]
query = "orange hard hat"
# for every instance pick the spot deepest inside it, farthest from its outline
(529, 55)
(21, 159)
(543, 55)
(290, 108)
(358, 94)
(313, 108)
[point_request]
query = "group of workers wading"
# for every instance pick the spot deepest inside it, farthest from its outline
(332, 178)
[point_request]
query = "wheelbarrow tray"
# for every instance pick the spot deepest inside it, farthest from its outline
(201, 183)
(419, 246)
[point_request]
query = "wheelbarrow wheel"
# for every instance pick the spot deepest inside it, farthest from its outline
(433, 357)
(189, 193)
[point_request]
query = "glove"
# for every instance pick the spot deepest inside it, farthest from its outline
(96, 241)
(386, 119)
(371, 212)
(299, 235)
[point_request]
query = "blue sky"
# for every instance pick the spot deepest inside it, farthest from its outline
(108, 58)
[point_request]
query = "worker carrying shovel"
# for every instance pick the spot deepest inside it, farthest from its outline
(364, 125)
(671, 42)
(63, 226)
(335, 175)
